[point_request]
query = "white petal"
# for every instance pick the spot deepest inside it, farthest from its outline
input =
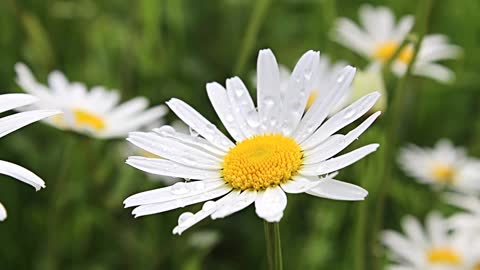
(243, 106)
(129, 108)
(155, 208)
(237, 203)
(26, 80)
(414, 231)
(350, 35)
(173, 150)
(58, 82)
(220, 102)
(338, 190)
(436, 228)
(196, 141)
(300, 184)
(434, 71)
(403, 27)
(178, 190)
(121, 127)
(339, 162)
(341, 119)
(320, 108)
(13, 122)
(337, 143)
(11, 101)
(299, 88)
(270, 204)
(3, 212)
(268, 91)
(197, 122)
(169, 168)
(208, 208)
(21, 174)
(403, 248)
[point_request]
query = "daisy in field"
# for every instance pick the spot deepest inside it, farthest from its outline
(379, 36)
(278, 148)
(432, 248)
(11, 123)
(443, 166)
(94, 112)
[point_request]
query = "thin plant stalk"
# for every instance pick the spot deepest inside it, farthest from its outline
(274, 245)
(249, 39)
(394, 123)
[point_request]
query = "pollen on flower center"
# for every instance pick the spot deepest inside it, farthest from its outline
(261, 161)
(385, 51)
(443, 256)
(443, 172)
(88, 119)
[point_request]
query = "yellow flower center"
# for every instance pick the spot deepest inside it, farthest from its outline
(443, 256)
(477, 266)
(261, 161)
(88, 119)
(385, 51)
(311, 98)
(443, 172)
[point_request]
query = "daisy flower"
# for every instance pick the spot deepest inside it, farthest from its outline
(379, 36)
(278, 148)
(469, 220)
(11, 123)
(435, 248)
(95, 113)
(444, 165)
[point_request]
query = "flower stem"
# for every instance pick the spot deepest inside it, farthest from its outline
(394, 123)
(274, 245)
(259, 12)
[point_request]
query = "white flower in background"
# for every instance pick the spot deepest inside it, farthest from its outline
(95, 112)
(444, 165)
(278, 148)
(379, 37)
(11, 123)
(435, 248)
(469, 220)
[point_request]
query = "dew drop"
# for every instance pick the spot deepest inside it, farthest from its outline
(165, 130)
(252, 119)
(208, 205)
(210, 128)
(179, 188)
(349, 113)
(239, 92)
(184, 217)
(229, 118)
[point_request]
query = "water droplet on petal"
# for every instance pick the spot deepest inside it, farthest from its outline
(252, 119)
(184, 217)
(349, 113)
(208, 205)
(268, 102)
(179, 188)
(239, 92)
(229, 118)
(165, 130)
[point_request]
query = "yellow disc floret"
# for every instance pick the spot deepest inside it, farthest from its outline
(444, 256)
(261, 161)
(385, 51)
(443, 172)
(87, 119)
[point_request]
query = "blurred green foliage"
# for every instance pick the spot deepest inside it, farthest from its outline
(171, 48)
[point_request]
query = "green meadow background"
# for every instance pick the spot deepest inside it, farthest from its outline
(171, 48)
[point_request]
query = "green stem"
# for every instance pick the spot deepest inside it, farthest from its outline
(259, 12)
(274, 245)
(394, 124)
(57, 202)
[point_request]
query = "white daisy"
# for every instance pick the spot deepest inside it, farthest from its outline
(435, 248)
(95, 112)
(11, 123)
(469, 220)
(278, 148)
(379, 37)
(443, 166)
